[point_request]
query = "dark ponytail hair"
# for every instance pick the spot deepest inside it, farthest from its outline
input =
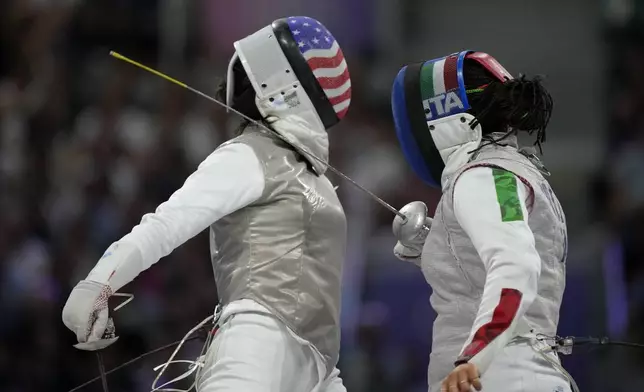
(243, 96)
(520, 104)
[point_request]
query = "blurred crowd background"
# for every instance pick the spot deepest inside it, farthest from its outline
(89, 144)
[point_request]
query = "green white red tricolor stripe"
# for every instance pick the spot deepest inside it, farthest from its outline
(438, 77)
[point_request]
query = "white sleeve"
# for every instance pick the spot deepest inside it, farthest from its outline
(226, 181)
(490, 206)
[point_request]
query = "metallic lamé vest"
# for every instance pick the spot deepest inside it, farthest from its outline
(456, 273)
(285, 250)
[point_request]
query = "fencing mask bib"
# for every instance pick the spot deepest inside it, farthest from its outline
(429, 103)
(296, 67)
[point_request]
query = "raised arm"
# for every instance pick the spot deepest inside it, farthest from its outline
(229, 179)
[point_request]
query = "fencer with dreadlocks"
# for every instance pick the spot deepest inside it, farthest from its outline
(494, 252)
(277, 228)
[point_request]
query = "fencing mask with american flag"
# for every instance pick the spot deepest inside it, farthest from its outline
(296, 67)
(429, 103)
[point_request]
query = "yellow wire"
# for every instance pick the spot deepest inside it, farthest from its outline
(164, 76)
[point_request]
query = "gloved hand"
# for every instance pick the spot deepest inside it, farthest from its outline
(86, 314)
(411, 234)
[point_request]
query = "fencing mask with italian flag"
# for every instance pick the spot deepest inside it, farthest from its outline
(430, 110)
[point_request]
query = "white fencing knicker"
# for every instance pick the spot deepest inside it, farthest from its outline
(252, 350)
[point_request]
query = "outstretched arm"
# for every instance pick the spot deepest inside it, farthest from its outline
(229, 179)
(490, 206)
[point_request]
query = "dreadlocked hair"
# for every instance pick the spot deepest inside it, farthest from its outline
(243, 95)
(511, 106)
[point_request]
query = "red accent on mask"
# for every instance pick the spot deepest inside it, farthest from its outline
(490, 63)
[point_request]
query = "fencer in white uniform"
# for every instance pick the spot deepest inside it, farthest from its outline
(277, 228)
(494, 252)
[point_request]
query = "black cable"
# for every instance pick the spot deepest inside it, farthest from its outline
(571, 341)
(627, 344)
